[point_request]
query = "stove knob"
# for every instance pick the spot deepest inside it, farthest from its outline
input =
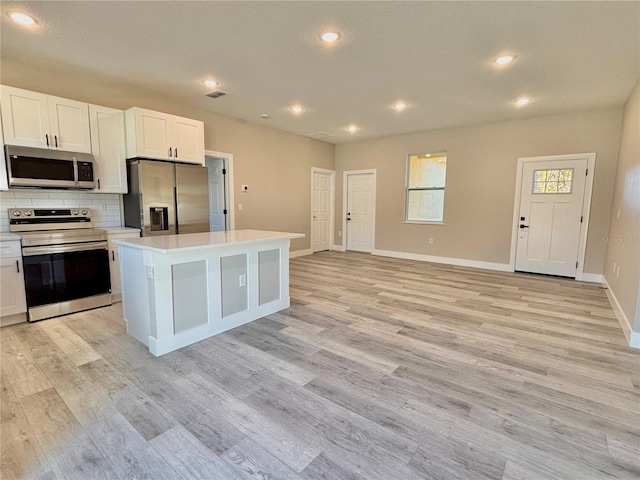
(17, 213)
(74, 212)
(28, 213)
(84, 212)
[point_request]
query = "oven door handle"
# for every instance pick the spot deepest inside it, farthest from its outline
(74, 247)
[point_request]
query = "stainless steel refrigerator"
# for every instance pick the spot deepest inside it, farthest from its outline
(166, 198)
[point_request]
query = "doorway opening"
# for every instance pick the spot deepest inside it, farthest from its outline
(551, 214)
(220, 172)
(323, 183)
(359, 210)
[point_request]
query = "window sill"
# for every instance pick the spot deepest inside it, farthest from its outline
(418, 222)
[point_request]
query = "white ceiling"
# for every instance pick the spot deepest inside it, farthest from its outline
(436, 56)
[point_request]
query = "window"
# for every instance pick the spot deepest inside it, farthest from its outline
(552, 181)
(426, 174)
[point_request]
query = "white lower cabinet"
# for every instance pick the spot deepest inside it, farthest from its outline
(114, 261)
(13, 302)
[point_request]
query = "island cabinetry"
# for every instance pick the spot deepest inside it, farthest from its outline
(180, 289)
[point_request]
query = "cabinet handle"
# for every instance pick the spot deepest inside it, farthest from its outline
(175, 152)
(56, 139)
(18, 266)
(98, 184)
(170, 153)
(46, 136)
(113, 256)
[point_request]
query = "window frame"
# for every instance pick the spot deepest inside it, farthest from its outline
(408, 189)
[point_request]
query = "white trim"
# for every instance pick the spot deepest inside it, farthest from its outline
(586, 205)
(300, 253)
(591, 278)
(228, 163)
(339, 248)
(632, 337)
(461, 262)
(332, 202)
(345, 193)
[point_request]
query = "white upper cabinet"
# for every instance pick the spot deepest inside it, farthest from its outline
(164, 137)
(34, 119)
(108, 148)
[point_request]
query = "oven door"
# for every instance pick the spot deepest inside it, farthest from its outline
(65, 275)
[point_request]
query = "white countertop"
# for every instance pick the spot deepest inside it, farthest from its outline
(9, 237)
(202, 241)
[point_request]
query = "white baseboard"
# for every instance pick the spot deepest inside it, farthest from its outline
(300, 253)
(632, 337)
(461, 262)
(339, 248)
(591, 278)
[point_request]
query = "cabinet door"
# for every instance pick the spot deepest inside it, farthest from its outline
(69, 122)
(13, 298)
(114, 263)
(152, 135)
(4, 184)
(25, 118)
(188, 140)
(108, 148)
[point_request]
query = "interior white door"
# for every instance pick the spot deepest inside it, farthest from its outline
(217, 195)
(321, 211)
(550, 217)
(360, 200)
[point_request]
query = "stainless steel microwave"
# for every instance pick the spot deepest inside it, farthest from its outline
(39, 167)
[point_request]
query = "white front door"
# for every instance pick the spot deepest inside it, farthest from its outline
(550, 216)
(217, 196)
(360, 203)
(321, 221)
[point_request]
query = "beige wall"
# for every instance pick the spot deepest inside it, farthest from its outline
(624, 231)
(275, 164)
(480, 188)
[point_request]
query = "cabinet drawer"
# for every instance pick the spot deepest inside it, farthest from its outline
(10, 249)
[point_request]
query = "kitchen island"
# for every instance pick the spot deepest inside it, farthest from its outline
(180, 289)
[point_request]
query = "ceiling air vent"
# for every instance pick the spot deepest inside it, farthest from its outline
(319, 135)
(216, 94)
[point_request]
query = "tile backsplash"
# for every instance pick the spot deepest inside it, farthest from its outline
(107, 207)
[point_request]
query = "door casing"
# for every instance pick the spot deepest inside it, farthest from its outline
(345, 196)
(228, 162)
(586, 204)
(332, 203)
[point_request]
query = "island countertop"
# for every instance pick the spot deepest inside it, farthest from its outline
(201, 241)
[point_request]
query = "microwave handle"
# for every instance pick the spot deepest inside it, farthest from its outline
(75, 171)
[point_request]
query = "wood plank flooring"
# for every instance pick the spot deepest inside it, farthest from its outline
(381, 369)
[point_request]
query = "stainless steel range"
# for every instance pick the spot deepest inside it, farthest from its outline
(66, 260)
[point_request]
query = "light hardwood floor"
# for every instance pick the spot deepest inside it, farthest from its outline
(381, 369)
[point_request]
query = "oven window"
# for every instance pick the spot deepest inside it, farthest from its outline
(42, 168)
(66, 276)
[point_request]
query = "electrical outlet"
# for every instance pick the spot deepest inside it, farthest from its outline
(430, 240)
(618, 271)
(149, 272)
(242, 280)
(239, 207)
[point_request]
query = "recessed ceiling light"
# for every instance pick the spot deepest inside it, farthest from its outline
(504, 59)
(428, 155)
(264, 116)
(330, 37)
(210, 83)
(400, 106)
(352, 129)
(523, 101)
(297, 109)
(22, 19)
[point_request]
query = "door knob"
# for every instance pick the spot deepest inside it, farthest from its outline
(524, 226)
